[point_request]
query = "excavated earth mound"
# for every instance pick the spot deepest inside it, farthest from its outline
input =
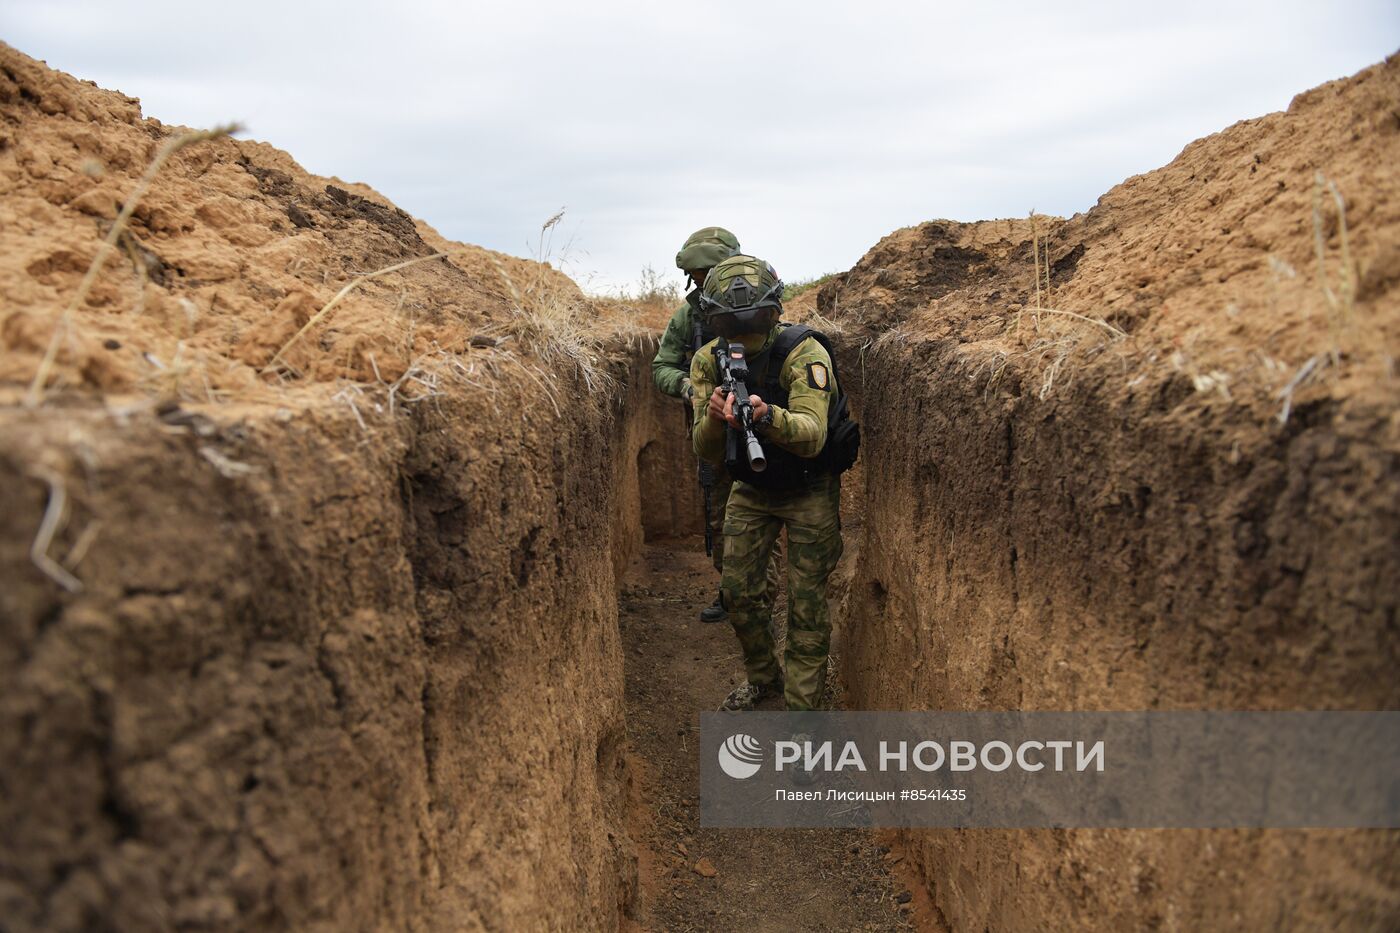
(1144, 458)
(226, 258)
(309, 605)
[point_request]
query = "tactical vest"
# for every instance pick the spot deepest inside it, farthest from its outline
(786, 470)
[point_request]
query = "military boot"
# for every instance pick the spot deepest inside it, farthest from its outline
(743, 697)
(715, 612)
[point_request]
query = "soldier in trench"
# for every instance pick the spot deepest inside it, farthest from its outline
(799, 416)
(685, 334)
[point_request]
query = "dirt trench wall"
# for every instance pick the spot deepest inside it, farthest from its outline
(669, 495)
(1092, 552)
(1144, 458)
(336, 664)
(319, 675)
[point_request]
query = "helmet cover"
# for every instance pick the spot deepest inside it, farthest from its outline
(706, 248)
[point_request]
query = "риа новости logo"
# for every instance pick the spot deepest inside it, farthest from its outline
(740, 756)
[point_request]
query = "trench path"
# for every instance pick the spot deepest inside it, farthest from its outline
(768, 879)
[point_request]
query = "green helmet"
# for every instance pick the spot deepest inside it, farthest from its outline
(742, 295)
(704, 249)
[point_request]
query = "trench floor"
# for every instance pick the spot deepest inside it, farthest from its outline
(777, 880)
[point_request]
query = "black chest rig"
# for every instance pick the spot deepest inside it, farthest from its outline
(786, 470)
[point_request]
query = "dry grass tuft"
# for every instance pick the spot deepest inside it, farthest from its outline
(316, 318)
(1343, 324)
(551, 336)
(554, 325)
(551, 319)
(35, 396)
(1341, 302)
(1056, 341)
(828, 326)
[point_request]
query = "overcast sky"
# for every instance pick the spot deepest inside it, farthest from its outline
(810, 129)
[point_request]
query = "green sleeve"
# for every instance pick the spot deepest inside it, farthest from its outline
(707, 434)
(668, 369)
(810, 381)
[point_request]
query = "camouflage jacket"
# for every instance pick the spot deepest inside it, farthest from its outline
(671, 365)
(799, 428)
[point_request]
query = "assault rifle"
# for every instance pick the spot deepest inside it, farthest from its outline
(734, 380)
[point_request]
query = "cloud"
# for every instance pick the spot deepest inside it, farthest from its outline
(811, 129)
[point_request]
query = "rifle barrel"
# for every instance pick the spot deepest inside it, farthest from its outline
(757, 461)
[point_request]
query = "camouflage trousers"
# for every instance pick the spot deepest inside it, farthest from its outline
(720, 496)
(752, 524)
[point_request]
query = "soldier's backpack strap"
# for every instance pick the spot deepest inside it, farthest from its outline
(789, 336)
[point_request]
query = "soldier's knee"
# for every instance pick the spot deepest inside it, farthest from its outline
(809, 645)
(809, 614)
(741, 600)
(814, 558)
(738, 583)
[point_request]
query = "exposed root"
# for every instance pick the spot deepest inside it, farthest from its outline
(81, 547)
(48, 527)
(229, 469)
(1305, 374)
(1083, 317)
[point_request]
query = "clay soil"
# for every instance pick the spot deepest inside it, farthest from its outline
(1165, 477)
(783, 880)
(286, 606)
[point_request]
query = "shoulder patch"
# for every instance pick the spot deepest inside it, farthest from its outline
(818, 377)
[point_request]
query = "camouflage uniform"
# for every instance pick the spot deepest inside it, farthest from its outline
(755, 517)
(669, 369)
(671, 365)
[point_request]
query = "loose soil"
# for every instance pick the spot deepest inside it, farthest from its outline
(217, 287)
(779, 880)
